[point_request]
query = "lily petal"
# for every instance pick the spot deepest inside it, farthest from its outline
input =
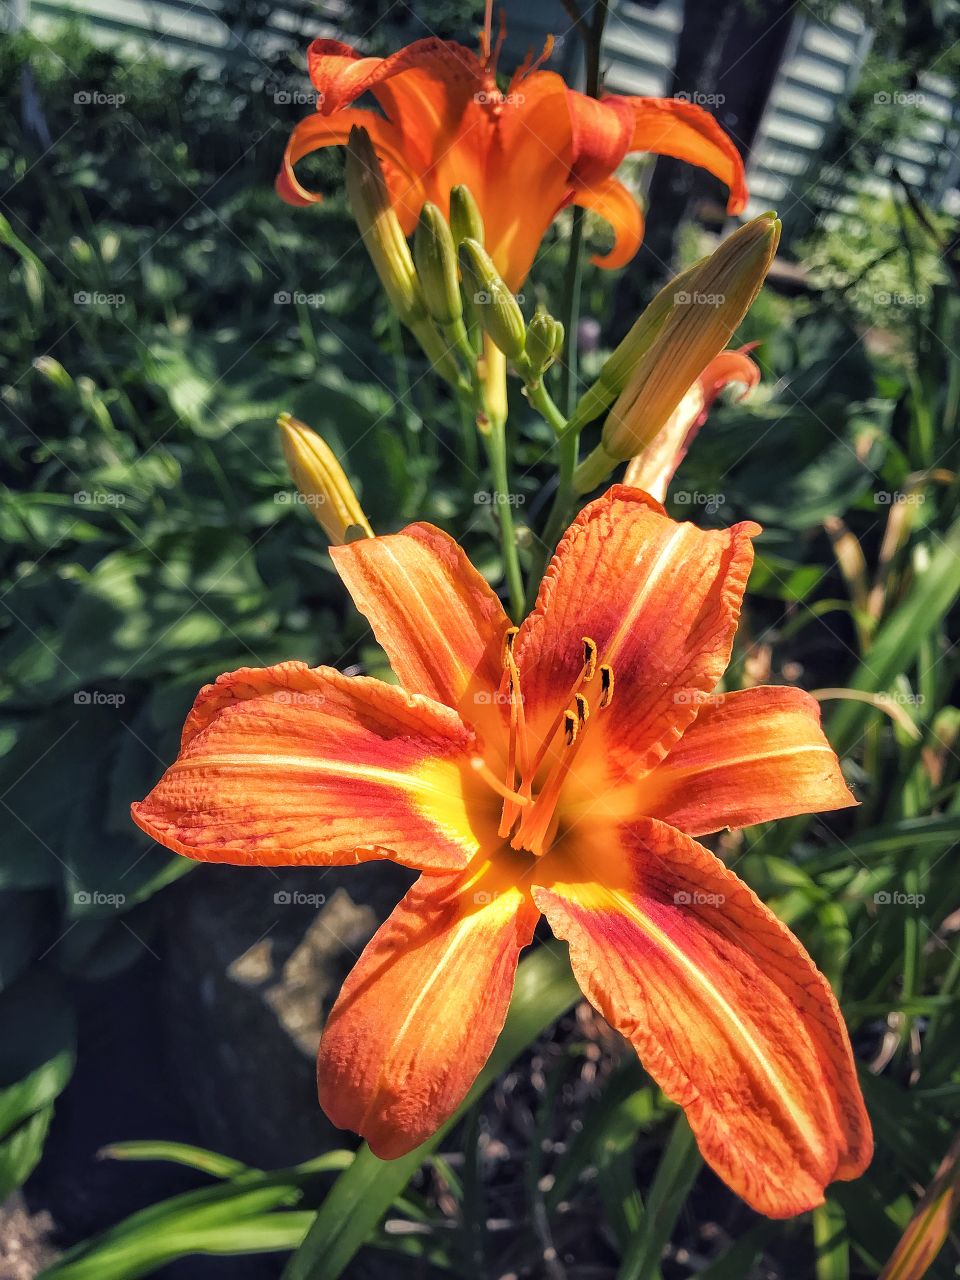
(420, 1013)
(616, 205)
(531, 159)
(748, 757)
(289, 766)
(316, 131)
(439, 622)
(661, 601)
(672, 127)
(725, 1008)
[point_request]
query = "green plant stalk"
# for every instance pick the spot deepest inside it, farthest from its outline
(495, 442)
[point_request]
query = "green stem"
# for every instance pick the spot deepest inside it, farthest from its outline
(496, 446)
(567, 451)
(543, 402)
(593, 470)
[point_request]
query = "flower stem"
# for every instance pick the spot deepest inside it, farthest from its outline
(496, 445)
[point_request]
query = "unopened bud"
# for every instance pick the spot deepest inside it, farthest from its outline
(380, 228)
(496, 308)
(703, 317)
(465, 220)
(322, 482)
(544, 344)
(436, 261)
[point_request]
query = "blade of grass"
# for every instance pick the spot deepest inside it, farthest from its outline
(361, 1195)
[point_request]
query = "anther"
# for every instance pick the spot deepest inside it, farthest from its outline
(571, 727)
(589, 659)
(606, 686)
(508, 638)
(583, 709)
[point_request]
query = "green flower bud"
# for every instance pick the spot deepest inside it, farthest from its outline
(436, 261)
(465, 220)
(495, 306)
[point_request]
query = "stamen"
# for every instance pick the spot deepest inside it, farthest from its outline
(606, 686)
(587, 672)
(490, 778)
(517, 749)
(583, 709)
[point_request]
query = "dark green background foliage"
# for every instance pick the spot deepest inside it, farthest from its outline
(150, 541)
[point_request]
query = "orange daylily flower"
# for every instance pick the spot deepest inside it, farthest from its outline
(562, 768)
(655, 467)
(524, 154)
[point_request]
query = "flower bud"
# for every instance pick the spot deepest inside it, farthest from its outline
(700, 323)
(322, 482)
(623, 360)
(465, 220)
(436, 261)
(380, 228)
(544, 343)
(496, 308)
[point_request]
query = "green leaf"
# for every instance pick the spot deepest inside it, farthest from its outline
(545, 989)
(212, 1162)
(676, 1174)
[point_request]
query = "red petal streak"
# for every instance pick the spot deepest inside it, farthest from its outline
(748, 757)
(418, 1016)
(726, 1010)
(291, 766)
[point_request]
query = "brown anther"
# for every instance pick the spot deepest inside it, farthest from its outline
(583, 709)
(508, 638)
(571, 727)
(589, 659)
(606, 686)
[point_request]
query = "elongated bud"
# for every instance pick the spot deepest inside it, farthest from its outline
(436, 261)
(322, 482)
(544, 344)
(496, 308)
(621, 362)
(380, 228)
(465, 220)
(703, 318)
(54, 371)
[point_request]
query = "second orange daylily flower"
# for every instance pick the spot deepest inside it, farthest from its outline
(524, 154)
(563, 768)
